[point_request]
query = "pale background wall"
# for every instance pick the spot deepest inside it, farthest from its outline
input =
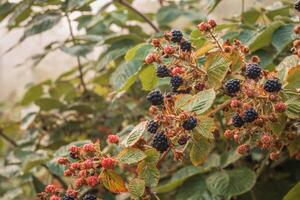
(14, 79)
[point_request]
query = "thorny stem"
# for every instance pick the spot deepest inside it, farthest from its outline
(125, 3)
(14, 144)
(219, 107)
(80, 67)
(216, 40)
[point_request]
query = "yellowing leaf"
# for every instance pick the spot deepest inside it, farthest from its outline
(204, 49)
(135, 134)
(131, 155)
(149, 173)
(200, 149)
(136, 187)
(112, 181)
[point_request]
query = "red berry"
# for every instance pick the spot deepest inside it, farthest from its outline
(72, 193)
(236, 137)
(280, 107)
(274, 155)
(155, 42)
(83, 173)
(113, 139)
(75, 166)
(92, 181)
(203, 26)
(68, 172)
(54, 197)
(228, 134)
(266, 139)
(87, 164)
(51, 188)
(243, 149)
(107, 163)
(150, 58)
(63, 161)
(234, 103)
(169, 50)
(177, 70)
(79, 182)
(74, 149)
(212, 23)
(89, 148)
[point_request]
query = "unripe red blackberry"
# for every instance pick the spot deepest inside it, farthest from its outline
(177, 70)
(169, 50)
(89, 197)
(160, 142)
(150, 58)
(55, 197)
(183, 139)
(176, 82)
(297, 29)
(237, 120)
(186, 46)
(243, 149)
(253, 71)
(212, 23)
(176, 36)
(155, 42)
(274, 155)
(199, 86)
(272, 85)
(155, 97)
(250, 115)
(162, 71)
(203, 26)
(190, 123)
(232, 86)
(297, 6)
(152, 126)
(234, 103)
(228, 134)
(280, 107)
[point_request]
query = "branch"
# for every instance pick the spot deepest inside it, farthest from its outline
(125, 3)
(163, 156)
(80, 67)
(218, 108)
(5, 137)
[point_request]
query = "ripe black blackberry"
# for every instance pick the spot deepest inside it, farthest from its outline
(176, 82)
(185, 46)
(73, 155)
(183, 139)
(250, 115)
(152, 126)
(190, 123)
(89, 197)
(237, 120)
(297, 6)
(232, 86)
(272, 85)
(160, 142)
(253, 71)
(176, 36)
(155, 97)
(67, 197)
(162, 71)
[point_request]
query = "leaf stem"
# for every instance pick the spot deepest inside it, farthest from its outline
(216, 40)
(125, 3)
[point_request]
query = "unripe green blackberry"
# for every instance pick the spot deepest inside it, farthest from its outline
(272, 85)
(67, 197)
(176, 82)
(253, 71)
(232, 86)
(250, 115)
(176, 36)
(155, 97)
(190, 123)
(152, 126)
(237, 120)
(186, 46)
(160, 142)
(297, 6)
(89, 197)
(162, 71)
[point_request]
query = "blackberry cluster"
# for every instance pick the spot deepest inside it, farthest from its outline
(297, 6)
(185, 46)
(190, 123)
(152, 126)
(250, 115)
(237, 120)
(176, 82)
(160, 142)
(89, 197)
(272, 85)
(155, 98)
(253, 71)
(176, 36)
(232, 86)
(162, 71)
(67, 197)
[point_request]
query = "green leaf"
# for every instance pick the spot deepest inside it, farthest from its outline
(10, 171)
(293, 108)
(292, 78)
(77, 50)
(110, 55)
(38, 185)
(218, 183)
(62, 88)
(131, 53)
(197, 38)
(21, 12)
(149, 173)
(278, 126)
(152, 156)
(5, 9)
(178, 178)
(40, 23)
(33, 161)
(251, 16)
(135, 134)
(198, 103)
(32, 94)
(205, 127)
(264, 37)
(148, 77)
(48, 104)
(283, 36)
(287, 63)
(12, 194)
(229, 157)
(200, 149)
(294, 193)
(167, 14)
(136, 188)
(192, 189)
(217, 66)
(131, 155)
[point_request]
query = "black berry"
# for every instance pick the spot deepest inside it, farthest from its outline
(162, 71)
(155, 97)
(176, 81)
(185, 46)
(237, 120)
(183, 139)
(232, 86)
(272, 85)
(253, 71)
(176, 36)
(160, 142)
(250, 115)
(152, 126)
(297, 6)
(73, 155)
(67, 197)
(89, 197)
(190, 123)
